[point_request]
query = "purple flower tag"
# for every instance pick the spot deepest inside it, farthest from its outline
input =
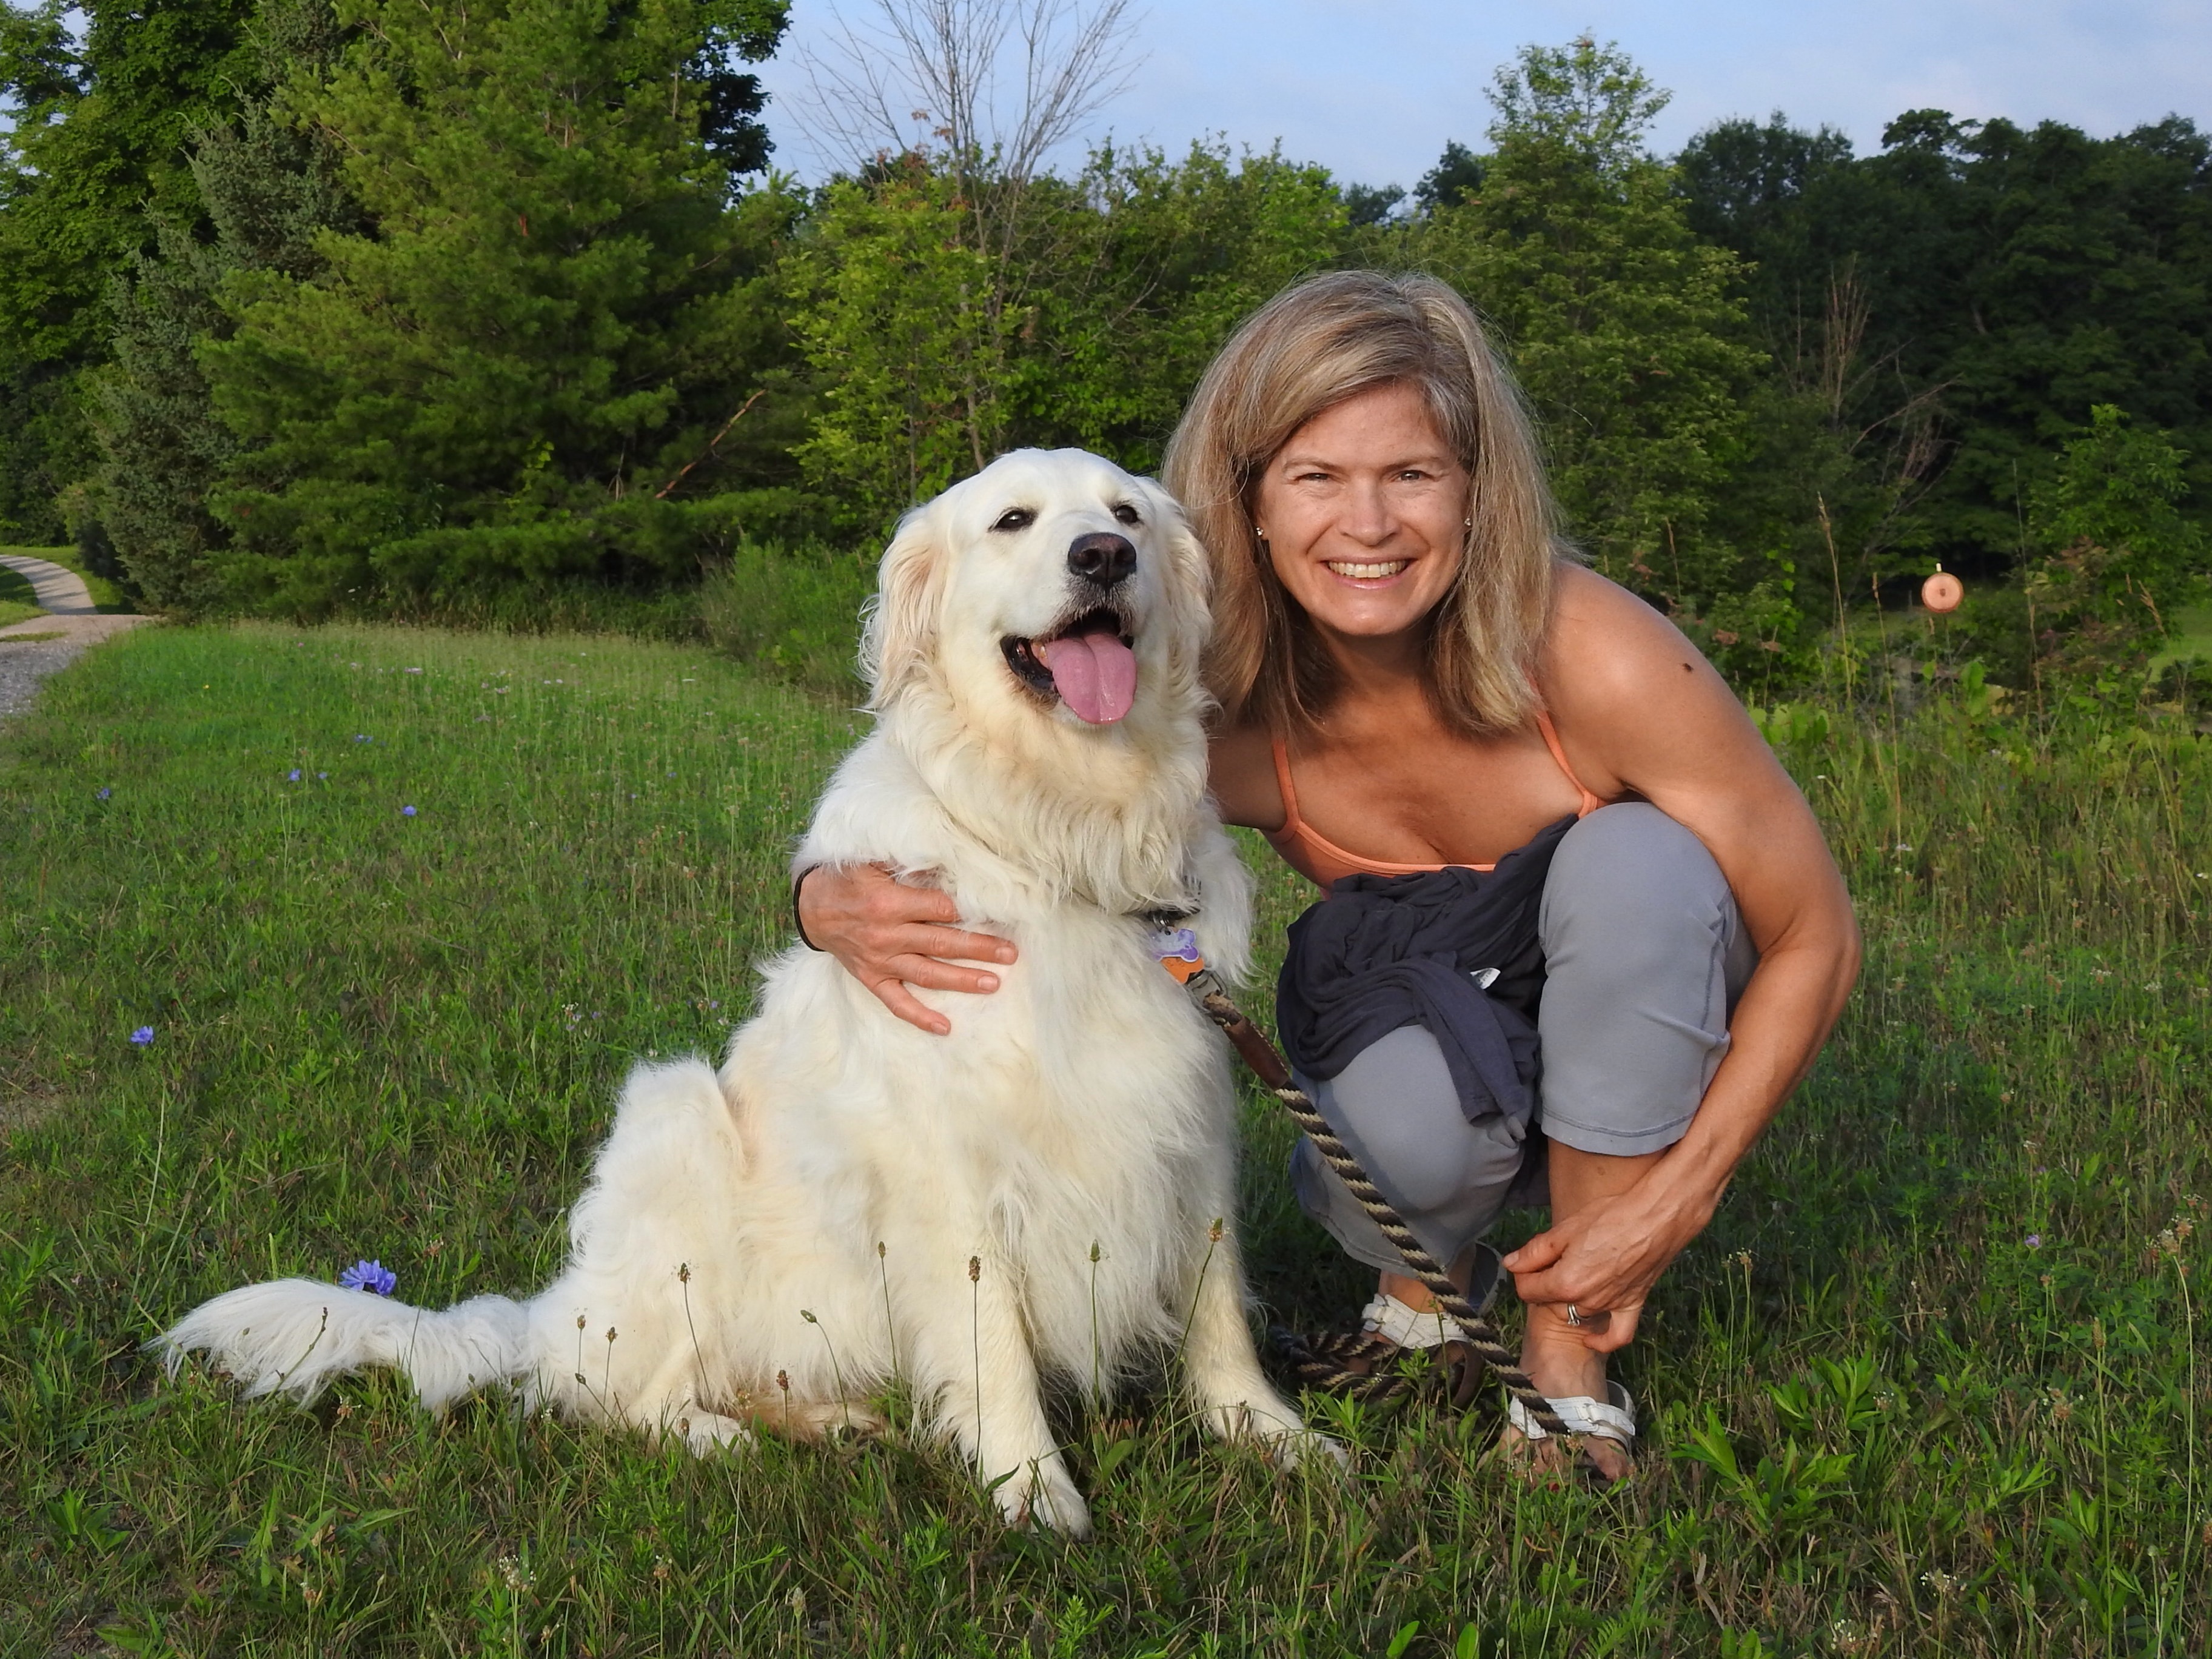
(1175, 942)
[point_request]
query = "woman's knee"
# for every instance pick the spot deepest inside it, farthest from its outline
(1631, 891)
(1396, 1108)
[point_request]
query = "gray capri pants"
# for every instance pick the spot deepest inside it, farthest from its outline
(1644, 957)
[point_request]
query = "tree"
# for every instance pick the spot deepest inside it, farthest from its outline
(1964, 298)
(1626, 329)
(923, 264)
(1371, 204)
(893, 309)
(1456, 176)
(99, 134)
(267, 188)
(504, 378)
(2121, 559)
(1134, 272)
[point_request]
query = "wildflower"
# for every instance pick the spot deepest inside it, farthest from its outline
(1904, 846)
(144, 1037)
(292, 776)
(413, 670)
(406, 811)
(360, 737)
(2035, 1241)
(101, 793)
(371, 1276)
(322, 774)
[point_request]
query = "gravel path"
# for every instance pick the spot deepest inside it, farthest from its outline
(59, 591)
(31, 650)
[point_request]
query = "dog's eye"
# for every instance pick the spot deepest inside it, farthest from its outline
(1017, 518)
(1127, 514)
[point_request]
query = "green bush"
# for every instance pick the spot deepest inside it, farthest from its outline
(794, 611)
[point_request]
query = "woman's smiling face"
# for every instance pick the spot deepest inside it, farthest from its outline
(1364, 514)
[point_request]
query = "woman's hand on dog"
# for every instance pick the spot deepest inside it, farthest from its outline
(892, 936)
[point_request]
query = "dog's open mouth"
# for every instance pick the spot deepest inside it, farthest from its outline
(1087, 664)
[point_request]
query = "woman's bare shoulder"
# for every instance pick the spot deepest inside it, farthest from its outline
(1241, 766)
(1627, 690)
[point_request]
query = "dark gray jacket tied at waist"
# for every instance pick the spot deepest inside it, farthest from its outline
(1455, 951)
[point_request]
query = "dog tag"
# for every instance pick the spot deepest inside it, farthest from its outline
(1177, 950)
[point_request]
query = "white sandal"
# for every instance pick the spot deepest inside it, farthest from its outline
(1611, 1418)
(1408, 1328)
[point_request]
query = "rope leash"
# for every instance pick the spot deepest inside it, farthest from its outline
(1482, 1337)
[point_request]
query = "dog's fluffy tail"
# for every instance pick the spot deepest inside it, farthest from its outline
(294, 1336)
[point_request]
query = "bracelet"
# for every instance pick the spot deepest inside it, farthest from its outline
(798, 882)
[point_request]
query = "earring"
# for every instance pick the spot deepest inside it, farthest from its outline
(1469, 523)
(1261, 533)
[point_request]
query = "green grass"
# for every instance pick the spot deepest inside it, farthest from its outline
(106, 598)
(1929, 1384)
(17, 600)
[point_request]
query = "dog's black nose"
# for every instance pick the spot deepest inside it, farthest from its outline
(1103, 557)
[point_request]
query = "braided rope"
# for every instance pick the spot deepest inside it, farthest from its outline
(1482, 1336)
(1325, 1362)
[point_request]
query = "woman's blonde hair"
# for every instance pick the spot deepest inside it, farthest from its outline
(1309, 349)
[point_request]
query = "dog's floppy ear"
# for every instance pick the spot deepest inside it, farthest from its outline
(902, 618)
(1190, 571)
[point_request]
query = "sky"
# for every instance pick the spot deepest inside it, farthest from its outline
(1372, 89)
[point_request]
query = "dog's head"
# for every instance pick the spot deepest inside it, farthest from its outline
(1052, 582)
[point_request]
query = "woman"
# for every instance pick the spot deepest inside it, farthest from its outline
(1415, 673)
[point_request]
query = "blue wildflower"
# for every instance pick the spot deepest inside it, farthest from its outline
(371, 1276)
(144, 1037)
(360, 737)
(2035, 1241)
(101, 794)
(406, 811)
(292, 776)
(322, 774)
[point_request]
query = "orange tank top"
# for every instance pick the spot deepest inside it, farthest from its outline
(1306, 850)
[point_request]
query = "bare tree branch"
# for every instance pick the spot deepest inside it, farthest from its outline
(899, 75)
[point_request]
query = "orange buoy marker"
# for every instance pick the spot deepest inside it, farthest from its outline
(1942, 591)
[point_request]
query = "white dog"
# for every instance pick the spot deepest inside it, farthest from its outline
(1048, 1190)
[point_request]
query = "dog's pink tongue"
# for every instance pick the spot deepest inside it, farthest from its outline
(1095, 674)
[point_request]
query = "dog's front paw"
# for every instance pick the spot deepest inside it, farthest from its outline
(1292, 1451)
(1277, 1429)
(1042, 1494)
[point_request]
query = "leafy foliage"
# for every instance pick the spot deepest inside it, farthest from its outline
(493, 385)
(98, 138)
(1626, 329)
(303, 312)
(2122, 557)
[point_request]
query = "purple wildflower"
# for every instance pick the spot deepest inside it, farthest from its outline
(371, 1276)
(144, 1037)
(292, 776)
(406, 811)
(101, 793)
(322, 774)
(2035, 1241)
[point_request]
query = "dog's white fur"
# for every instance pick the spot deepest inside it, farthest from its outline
(849, 1199)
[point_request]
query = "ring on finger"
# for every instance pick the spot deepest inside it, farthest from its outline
(1574, 1316)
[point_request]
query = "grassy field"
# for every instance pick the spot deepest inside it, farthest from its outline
(1930, 1383)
